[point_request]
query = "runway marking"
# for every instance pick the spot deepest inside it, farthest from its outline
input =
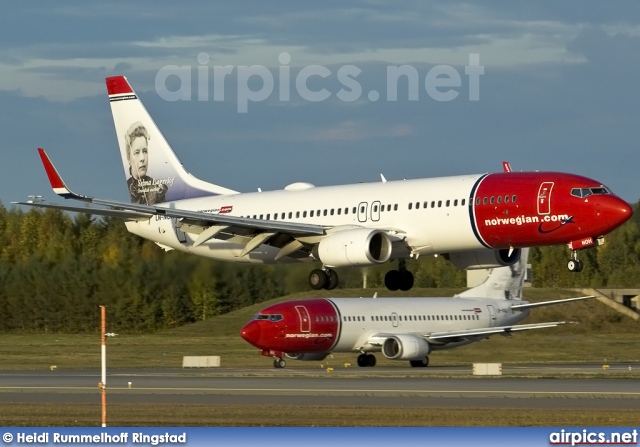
(337, 391)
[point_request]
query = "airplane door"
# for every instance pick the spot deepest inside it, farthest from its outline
(305, 320)
(362, 212)
(492, 315)
(375, 211)
(394, 319)
(544, 198)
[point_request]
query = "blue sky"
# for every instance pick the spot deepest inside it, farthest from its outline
(559, 90)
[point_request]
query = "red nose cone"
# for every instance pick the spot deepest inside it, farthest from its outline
(251, 333)
(618, 211)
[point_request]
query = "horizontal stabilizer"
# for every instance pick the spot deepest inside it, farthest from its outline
(122, 214)
(549, 303)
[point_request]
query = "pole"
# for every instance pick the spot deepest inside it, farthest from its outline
(103, 383)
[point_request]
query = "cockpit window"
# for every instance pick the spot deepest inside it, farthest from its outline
(586, 192)
(270, 317)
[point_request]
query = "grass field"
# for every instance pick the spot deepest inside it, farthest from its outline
(602, 335)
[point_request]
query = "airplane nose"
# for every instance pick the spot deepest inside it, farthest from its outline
(251, 333)
(617, 211)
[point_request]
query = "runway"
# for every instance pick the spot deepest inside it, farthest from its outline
(379, 387)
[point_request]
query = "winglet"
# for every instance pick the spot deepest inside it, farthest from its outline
(118, 85)
(58, 185)
(506, 167)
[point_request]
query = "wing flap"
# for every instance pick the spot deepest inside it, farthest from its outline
(490, 330)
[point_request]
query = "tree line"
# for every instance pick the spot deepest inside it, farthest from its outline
(56, 268)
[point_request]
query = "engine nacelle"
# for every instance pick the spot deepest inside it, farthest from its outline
(405, 347)
(309, 356)
(354, 248)
(484, 259)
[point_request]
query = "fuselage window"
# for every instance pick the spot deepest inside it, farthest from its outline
(389, 207)
(324, 212)
(346, 210)
(275, 216)
(375, 208)
(506, 199)
(283, 215)
(433, 204)
(339, 211)
(478, 201)
(311, 213)
(484, 201)
(439, 203)
(492, 200)
(304, 214)
(410, 205)
(290, 214)
(297, 214)
(499, 199)
(455, 202)
(395, 207)
(513, 199)
(354, 210)
(331, 211)
(417, 205)
(462, 203)
(448, 202)
(425, 204)
(362, 208)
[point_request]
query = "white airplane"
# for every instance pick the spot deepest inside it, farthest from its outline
(477, 221)
(401, 328)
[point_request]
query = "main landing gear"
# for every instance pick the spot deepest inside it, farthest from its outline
(365, 360)
(575, 264)
(423, 363)
(323, 279)
(399, 279)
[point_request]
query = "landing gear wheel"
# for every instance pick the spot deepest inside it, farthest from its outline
(279, 363)
(371, 360)
(362, 360)
(575, 265)
(392, 280)
(419, 363)
(332, 279)
(317, 279)
(406, 280)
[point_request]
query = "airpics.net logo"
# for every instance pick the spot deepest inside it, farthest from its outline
(314, 83)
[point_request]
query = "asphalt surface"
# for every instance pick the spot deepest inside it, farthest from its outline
(435, 387)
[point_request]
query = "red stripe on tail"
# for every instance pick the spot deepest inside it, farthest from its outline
(117, 85)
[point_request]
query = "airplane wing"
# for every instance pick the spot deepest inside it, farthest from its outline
(549, 303)
(487, 331)
(251, 232)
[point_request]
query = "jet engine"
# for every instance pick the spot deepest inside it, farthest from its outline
(309, 356)
(354, 248)
(484, 259)
(405, 347)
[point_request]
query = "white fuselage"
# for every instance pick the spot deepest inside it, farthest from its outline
(443, 226)
(362, 319)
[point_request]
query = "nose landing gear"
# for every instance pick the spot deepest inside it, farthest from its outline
(574, 264)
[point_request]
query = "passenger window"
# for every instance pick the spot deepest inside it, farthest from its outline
(491, 201)
(499, 199)
(462, 203)
(395, 207)
(410, 205)
(354, 210)
(439, 203)
(311, 213)
(484, 201)
(362, 209)
(290, 214)
(417, 205)
(261, 216)
(425, 204)
(375, 209)
(433, 204)
(448, 202)
(513, 198)
(275, 216)
(331, 211)
(506, 199)
(389, 207)
(339, 211)
(455, 202)
(324, 212)
(304, 214)
(478, 201)
(346, 210)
